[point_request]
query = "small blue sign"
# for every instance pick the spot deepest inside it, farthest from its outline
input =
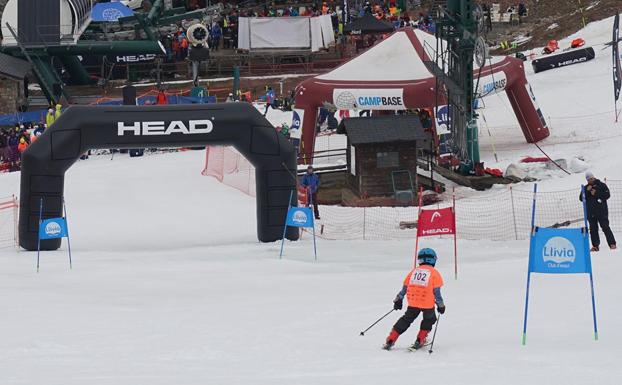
(299, 217)
(296, 121)
(53, 228)
(559, 251)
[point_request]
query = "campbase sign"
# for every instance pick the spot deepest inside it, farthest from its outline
(369, 98)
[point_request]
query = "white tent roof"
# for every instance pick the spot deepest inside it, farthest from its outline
(393, 59)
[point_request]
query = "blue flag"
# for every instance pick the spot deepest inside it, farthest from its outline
(560, 251)
(53, 228)
(299, 217)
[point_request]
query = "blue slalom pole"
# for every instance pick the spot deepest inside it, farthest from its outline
(583, 200)
(39, 232)
(67, 229)
(533, 230)
(593, 307)
(289, 205)
(314, 247)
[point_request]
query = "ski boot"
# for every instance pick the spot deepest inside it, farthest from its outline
(420, 341)
(390, 340)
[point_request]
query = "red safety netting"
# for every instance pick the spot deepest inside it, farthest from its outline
(8, 221)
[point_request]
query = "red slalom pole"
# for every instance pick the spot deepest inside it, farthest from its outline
(418, 217)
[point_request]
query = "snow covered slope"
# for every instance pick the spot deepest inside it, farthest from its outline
(577, 102)
(170, 286)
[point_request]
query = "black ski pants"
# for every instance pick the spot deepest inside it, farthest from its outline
(313, 202)
(429, 318)
(603, 220)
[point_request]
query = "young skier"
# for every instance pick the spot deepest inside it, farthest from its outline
(422, 288)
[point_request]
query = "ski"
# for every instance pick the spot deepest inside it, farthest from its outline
(413, 349)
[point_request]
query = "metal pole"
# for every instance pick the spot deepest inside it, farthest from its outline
(378, 320)
(289, 205)
(533, 216)
(67, 229)
(39, 233)
(434, 335)
(590, 259)
(593, 305)
(314, 246)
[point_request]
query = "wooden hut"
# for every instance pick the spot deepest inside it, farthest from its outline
(382, 154)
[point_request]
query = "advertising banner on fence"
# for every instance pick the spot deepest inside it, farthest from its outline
(436, 222)
(559, 251)
(369, 98)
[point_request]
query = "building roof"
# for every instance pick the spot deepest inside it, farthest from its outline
(383, 129)
(13, 67)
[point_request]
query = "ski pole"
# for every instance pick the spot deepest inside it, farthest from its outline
(379, 319)
(434, 335)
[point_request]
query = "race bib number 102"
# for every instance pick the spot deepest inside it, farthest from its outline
(420, 277)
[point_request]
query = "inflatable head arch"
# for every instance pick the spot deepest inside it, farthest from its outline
(82, 128)
(393, 75)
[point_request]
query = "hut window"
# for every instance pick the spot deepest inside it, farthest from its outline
(387, 159)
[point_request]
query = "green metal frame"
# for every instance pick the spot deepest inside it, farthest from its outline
(457, 26)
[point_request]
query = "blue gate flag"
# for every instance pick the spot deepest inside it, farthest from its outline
(53, 228)
(559, 251)
(299, 217)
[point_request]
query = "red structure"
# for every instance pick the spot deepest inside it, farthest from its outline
(392, 76)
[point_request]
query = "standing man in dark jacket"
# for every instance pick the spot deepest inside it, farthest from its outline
(596, 195)
(311, 182)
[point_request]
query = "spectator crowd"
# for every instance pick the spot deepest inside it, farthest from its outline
(15, 140)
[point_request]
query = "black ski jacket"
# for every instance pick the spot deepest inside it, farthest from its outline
(597, 203)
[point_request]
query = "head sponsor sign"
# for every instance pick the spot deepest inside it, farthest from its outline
(436, 222)
(53, 228)
(559, 251)
(369, 98)
(299, 217)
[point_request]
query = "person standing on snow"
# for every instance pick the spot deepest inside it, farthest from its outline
(422, 288)
(50, 118)
(269, 100)
(596, 195)
(311, 182)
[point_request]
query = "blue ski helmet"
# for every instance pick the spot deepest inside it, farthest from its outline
(427, 256)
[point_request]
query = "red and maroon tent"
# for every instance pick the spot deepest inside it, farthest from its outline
(392, 76)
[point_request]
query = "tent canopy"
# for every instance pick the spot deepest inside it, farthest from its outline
(110, 12)
(367, 24)
(393, 75)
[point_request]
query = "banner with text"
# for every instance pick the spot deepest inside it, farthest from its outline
(369, 98)
(436, 222)
(560, 251)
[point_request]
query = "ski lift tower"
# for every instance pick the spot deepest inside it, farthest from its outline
(452, 65)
